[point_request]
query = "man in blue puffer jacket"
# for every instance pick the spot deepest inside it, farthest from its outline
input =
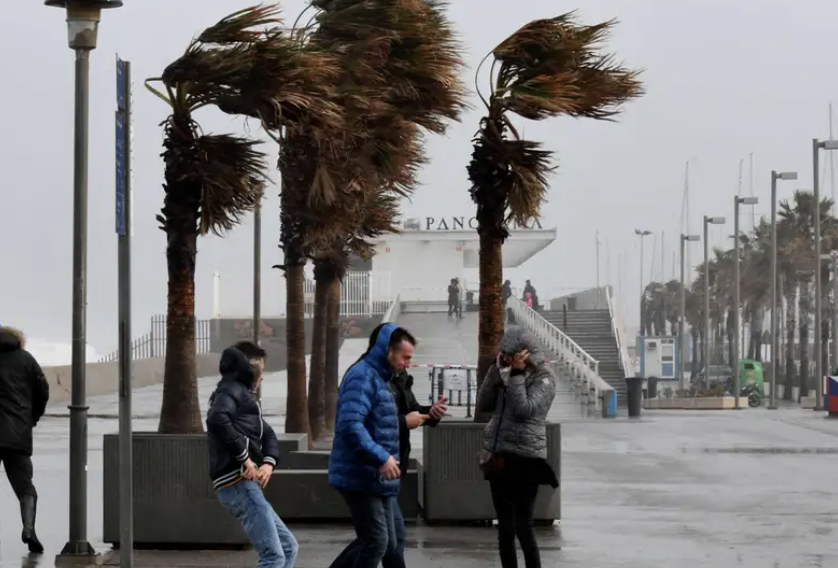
(364, 464)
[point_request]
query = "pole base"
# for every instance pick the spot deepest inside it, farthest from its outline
(78, 553)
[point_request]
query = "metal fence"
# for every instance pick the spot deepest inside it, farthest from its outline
(153, 343)
(362, 294)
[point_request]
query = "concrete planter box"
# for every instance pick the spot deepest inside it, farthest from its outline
(175, 505)
(696, 403)
(453, 489)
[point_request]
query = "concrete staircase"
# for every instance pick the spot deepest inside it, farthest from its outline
(592, 330)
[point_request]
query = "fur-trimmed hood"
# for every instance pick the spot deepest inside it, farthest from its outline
(11, 339)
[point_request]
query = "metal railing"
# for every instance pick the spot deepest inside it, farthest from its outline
(578, 365)
(617, 329)
(153, 343)
(363, 293)
(395, 310)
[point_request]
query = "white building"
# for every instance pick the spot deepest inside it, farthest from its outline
(420, 262)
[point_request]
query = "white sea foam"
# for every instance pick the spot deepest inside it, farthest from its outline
(54, 354)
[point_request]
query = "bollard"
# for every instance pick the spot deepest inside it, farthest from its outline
(634, 395)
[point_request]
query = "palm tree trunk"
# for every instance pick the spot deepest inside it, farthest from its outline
(317, 375)
(490, 327)
(181, 411)
(332, 354)
(296, 406)
(729, 331)
(791, 327)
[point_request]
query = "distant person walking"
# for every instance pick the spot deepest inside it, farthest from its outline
(364, 464)
(518, 390)
(454, 292)
(243, 451)
(24, 393)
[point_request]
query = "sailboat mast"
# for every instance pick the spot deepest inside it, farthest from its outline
(751, 187)
(686, 222)
(831, 163)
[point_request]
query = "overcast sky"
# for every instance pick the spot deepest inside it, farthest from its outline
(724, 80)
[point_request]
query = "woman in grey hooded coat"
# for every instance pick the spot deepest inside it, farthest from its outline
(518, 390)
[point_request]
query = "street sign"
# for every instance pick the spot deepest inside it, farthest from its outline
(635, 365)
(120, 173)
(120, 84)
(455, 379)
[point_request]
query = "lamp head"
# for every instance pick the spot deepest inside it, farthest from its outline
(748, 200)
(714, 220)
(83, 20)
(787, 176)
(691, 238)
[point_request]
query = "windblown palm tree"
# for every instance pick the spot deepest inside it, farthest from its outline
(379, 216)
(211, 181)
(400, 66)
(548, 68)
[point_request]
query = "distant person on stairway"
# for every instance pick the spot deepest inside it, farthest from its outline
(365, 459)
(24, 393)
(518, 390)
(531, 296)
(243, 451)
(506, 292)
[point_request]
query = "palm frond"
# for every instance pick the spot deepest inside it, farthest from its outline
(554, 66)
(212, 180)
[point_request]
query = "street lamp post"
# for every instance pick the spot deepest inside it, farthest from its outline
(642, 234)
(737, 379)
(82, 26)
(818, 145)
(707, 222)
(682, 313)
(786, 176)
(257, 280)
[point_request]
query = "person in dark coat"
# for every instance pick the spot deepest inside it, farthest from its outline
(364, 463)
(412, 415)
(243, 451)
(24, 393)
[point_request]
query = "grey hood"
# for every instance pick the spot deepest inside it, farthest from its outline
(515, 339)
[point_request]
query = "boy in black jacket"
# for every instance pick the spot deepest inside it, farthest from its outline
(243, 451)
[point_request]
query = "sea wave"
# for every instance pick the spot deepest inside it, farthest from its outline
(55, 354)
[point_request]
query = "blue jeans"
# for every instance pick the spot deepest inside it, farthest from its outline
(379, 526)
(276, 546)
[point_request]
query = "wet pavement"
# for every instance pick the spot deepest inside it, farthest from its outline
(750, 489)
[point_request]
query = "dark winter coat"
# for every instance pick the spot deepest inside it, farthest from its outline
(24, 392)
(236, 430)
(367, 424)
(402, 388)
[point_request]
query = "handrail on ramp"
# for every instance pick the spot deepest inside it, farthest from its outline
(617, 329)
(579, 365)
(394, 311)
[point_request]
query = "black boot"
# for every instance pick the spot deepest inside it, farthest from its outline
(28, 509)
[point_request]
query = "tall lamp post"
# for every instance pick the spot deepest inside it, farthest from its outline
(817, 146)
(737, 379)
(682, 312)
(707, 222)
(82, 26)
(785, 176)
(257, 280)
(642, 234)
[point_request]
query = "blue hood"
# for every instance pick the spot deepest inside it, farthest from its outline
(235, 366)
(377, 356)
